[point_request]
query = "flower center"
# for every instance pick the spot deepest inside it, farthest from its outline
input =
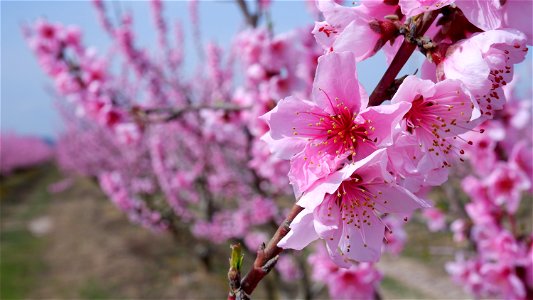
(416, 115)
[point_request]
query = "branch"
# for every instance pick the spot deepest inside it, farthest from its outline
(266, 259)
(172, 113)
(420, 25)
(267, 255)
(251, 19)
(234, 273)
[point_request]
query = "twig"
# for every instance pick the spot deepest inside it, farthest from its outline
(171, 113)
(251, 19)
(267, 256)
(234, 273)
(420, 26)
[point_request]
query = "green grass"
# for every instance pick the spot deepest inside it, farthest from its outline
(24, 196)
(21, 263)
(400, 291)
(94, 289)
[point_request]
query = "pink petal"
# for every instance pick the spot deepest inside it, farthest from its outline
(398, 199)
(384, 119)
(359, 39)
(336, 78)
(482, 13)
(369, 235)
(302, 232)
(283, 148)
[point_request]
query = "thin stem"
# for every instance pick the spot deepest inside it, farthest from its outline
(251, 19)
(381, 92)
(267, 255)
(172, 113)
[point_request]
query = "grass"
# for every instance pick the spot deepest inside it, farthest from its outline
(24, 196)
(94, 289)
(21, 263)
(393, 287)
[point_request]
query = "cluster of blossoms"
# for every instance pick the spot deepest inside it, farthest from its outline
(178, 151)
(352, 163)
(78, 73)
(123, 172)
(20, 152)
(356, 282)
(171, 150)
(274, 67)
(501, 265)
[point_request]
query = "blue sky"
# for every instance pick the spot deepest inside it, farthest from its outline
(26, 106)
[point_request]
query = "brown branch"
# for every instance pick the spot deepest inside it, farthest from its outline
(251, 19)
(266, 258)
(267, 255)
(171, 113)
(420, 24)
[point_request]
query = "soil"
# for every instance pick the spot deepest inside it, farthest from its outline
(91, 251)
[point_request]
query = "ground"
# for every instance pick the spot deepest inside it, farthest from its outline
(89, 250)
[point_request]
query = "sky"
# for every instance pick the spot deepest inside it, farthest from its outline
(26, 104)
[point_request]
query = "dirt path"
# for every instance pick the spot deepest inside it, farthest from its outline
(422, 281)
(93, 252)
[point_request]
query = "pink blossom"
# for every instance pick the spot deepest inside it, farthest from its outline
(484, 63)
(467, 273)
(261, 210)
(435, 219)
(495, 14)
(411, 8)
(344, 209)
(288, 269)
(487, 278)
(270, 167)
(481, 148)
(254, 239)
(128, 133)
(20, 152)
(503, 281)
(395, 235)
(521, 159)
(438, 113)
(501, 246)
(60, 186)
(114, 185)
(505, 185)
(529, 266)
(408, 163)
(481, 210)
(359, 281)
(316, 135)
(459, 227)
(361, 30)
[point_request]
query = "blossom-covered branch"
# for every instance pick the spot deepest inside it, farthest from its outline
(417, 28)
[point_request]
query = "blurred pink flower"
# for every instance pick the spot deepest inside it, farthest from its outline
(436, 220)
